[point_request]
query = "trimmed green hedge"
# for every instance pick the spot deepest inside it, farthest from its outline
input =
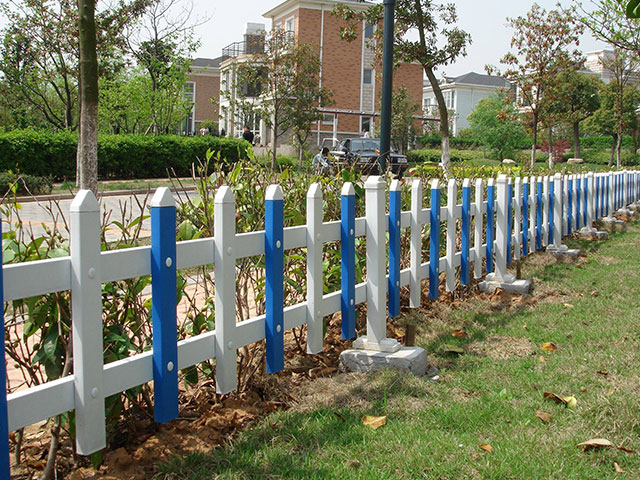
(25, 184)
(433, 155)
(119, 156)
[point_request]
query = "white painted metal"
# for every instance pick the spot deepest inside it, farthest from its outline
(517, 218)
(565, 190)
(612, 197)
(314, 269)
(545, 211)
(557, 210)
(478, 221)
(30, 279)
(502, 196)
(532, 214)
(452, 198)
(193, 253)
(225, 289)
(86, 313)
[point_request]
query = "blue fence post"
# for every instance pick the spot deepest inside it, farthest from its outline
(163, 305)
(525, 217)
(434, 241)
(551, 199)
(608, 195)
(5, 469)
(466, 231)
(490, 224)
(509, 219)
(585, 198)
(578, 197)
(597, 197)
(348, 259)
(274, 264)
(395, 211)
(570, 205)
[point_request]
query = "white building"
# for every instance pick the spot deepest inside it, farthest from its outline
(461, 95)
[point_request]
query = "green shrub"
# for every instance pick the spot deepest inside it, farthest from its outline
(601, 157)
(433, 155)
(604, 142)
(119, 156)
(25, 184)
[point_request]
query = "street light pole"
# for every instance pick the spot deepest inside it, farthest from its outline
(387, 83)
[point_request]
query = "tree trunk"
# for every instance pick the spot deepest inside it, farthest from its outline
(550, 143)
(87, 157)
(619, 151)
(576, 139)
(613, 149)
(444, 119)
(534, 145)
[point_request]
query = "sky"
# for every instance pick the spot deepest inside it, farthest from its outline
(484, 20)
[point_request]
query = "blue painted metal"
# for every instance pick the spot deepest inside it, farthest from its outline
(525, 219)
(585, 198)
(466, 235)
(551, 212)
(570, 207)
(597, 197)
(395, 204)
(607, 195)
(5, 469)
(539, 207)
(491, 235)
(348, 266)
(274, 263)
(434, 244)
(578, 187)
(509, 221)
(163, 313)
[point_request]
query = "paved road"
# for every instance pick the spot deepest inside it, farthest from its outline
(36, 216)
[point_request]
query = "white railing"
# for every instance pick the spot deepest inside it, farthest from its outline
(518, 217)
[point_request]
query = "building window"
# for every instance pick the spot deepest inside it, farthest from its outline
(368, 30)
(289, 25)
(366, 76)
(328, 118)
(190, 96)
(366, 126)
(449, 98)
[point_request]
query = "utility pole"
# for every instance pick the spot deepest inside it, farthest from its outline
(387, 83)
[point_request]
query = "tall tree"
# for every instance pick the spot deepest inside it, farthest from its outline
(575, 98)
(541, 44)
(440, 42)
(87, 155)
(495, 123)
(403, 109)
(607, 20)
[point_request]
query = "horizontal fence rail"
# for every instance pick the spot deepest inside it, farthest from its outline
(515, 218)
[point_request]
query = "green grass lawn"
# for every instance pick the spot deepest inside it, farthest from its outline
(487, 395)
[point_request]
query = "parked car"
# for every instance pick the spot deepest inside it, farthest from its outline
(364, 153)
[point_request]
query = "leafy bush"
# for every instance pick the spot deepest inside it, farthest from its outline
(119, 156)
(604, 142)
(25, 184)
(601, 157)
(433, 155)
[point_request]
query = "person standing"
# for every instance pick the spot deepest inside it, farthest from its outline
(247, 135)
(322, 163)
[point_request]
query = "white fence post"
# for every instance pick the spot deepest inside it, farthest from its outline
(452, 200)
(225, 289)
(478, 217)
(557, 210)
(415, 290)
(591, 193)
(86, 307)
(533, 205)
(501, 227)
(376, 338)
(545, 210)
(314, 269)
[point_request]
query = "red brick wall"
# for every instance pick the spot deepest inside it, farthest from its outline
(207, 87)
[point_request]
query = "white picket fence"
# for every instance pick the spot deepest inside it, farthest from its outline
(522, 224)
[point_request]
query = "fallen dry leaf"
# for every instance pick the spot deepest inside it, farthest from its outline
(541, 359)
(595, 293)
(625, 449)
(486, 447)
(453, 350)
(595, 443)
(602, 372)
(549, 347)
(568, 401)
(618, 467)
(568, 305)
(374, 422)
(459, 334)
(524, 326)
(544, 416)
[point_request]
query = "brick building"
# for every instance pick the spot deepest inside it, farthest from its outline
(203, 83)
(348, 69)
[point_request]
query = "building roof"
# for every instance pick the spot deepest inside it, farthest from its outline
(208, 62)
(287, 5)
(473, 78)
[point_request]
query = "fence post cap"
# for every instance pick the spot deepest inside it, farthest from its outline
(347, 189)
(395, 186)
(479, 183)
(416, 183)
(374, 182)
(466, 183)
(435, 184)
(502, 178)
(525, 180)
(315, 190)
(84, 201)
(451, 183)
(540, 179)
(162, 198)
(224, 195)
(590, 174)
(558, 176)
(491, 182)
(274, 192)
